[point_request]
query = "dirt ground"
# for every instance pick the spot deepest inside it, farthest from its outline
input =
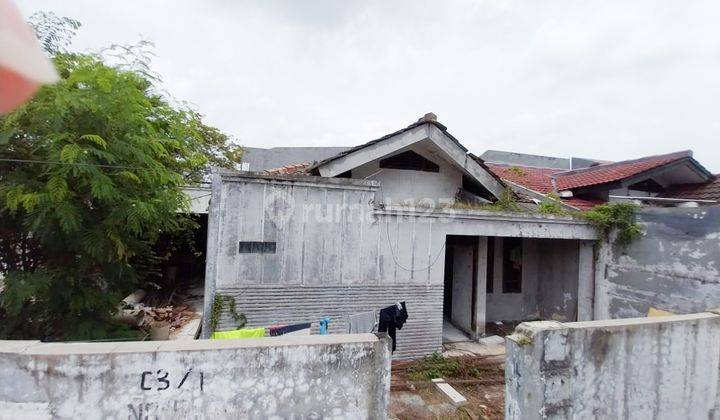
(480, 380)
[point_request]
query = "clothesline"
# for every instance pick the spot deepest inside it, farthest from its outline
(388, 319)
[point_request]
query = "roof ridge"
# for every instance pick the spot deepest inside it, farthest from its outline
(522, 166)
(680, 154)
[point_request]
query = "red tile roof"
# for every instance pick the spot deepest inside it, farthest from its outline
(538, 179)
(609, 172)
(708, 191)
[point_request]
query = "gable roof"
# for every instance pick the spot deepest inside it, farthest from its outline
(611, 172)
(706, 191)
(427, 119)
(539, 180)
(437, 133)
(550, 180)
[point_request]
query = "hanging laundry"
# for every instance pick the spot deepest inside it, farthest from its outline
(364, 322)
(324, 324)
(392, 318)
(294, 329)
(243, 333)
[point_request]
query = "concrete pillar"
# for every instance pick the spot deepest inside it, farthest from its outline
(481, 286)
(586, 281)
(529, 285)
(498, 265)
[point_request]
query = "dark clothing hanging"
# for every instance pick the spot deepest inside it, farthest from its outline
(392, 318)
(276, 330)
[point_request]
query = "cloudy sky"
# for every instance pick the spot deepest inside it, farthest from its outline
(603, 79)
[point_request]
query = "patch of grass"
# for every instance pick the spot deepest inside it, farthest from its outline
(437, 366)
(551, 205)
(517, 171)
(506, 202)
(433, 366)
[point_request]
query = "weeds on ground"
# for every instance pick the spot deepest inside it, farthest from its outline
(433, 366)
(437, 366)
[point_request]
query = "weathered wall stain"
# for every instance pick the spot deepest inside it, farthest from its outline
(340, 376)
(673, 267)
(659, 368)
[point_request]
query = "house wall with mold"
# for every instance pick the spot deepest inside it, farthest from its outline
(673, 266)
(644, 368)
(336, 252)
(338, 377)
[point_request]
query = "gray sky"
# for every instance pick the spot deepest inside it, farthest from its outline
(603, 79)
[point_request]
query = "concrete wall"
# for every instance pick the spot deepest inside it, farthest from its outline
(673, 266)
(338, 254)
(198, 198)
(462, 297)
(259, 159)
(551, 274)
(515, 306)
(523, 159)
(340, 376)
(558, 278)
(646, 368)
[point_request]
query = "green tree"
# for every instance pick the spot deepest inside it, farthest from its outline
(91, 171)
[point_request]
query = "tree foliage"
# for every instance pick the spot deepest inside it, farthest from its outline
(91, 171)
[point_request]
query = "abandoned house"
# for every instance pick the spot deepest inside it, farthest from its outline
(406, 218)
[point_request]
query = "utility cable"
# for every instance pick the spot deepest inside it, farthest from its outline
(392, 252)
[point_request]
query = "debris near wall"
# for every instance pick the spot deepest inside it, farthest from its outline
(480, 380)
(159, 316)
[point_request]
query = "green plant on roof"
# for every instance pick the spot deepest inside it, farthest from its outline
(551, 204)
(614, 216)
(517, 171)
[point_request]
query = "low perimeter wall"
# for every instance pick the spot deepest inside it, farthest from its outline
(331, 376)
(643, 368)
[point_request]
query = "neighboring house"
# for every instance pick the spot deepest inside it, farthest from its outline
(258, 159)
(662, 180)
(380, 223)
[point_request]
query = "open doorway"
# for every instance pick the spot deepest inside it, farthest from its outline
(531, 279)
(461, 274)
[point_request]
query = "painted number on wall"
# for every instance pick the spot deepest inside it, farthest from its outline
(160, 380)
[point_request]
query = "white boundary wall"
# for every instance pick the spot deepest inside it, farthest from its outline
(641, 368)
(337, 376)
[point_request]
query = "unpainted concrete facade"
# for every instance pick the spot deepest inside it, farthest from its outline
(644, 368)
(550, 281)
(338, 376)
(414, 187)
(672, 267)
(338, 252)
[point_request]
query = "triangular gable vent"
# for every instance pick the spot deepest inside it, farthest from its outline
(409, 161)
